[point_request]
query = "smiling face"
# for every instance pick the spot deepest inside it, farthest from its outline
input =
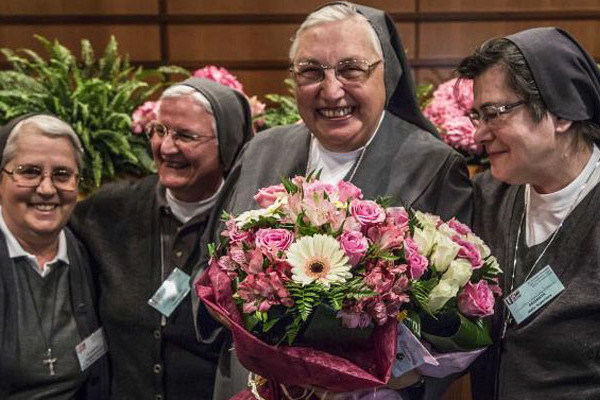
(191, 171)
(342, 117)
(35, 216)
(520, 150)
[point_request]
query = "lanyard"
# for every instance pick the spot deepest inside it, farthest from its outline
(508, 317)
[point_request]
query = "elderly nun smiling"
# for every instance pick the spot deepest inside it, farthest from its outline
(45, 284)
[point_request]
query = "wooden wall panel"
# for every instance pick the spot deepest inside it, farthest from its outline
(260, 82)
(507, 5)
(128, 38)
(229, 42)
(73, 7)
(461, 38)
(272, 7)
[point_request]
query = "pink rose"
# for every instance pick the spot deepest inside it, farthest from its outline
(397, 216)
(354, 245)
(469, 252)
(459, 227)
(367, 212)
(348, 191)
(267, 196)
(272, 241)
(476, 300)
(417, 264)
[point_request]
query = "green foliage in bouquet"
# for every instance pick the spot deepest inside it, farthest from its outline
(95, 96)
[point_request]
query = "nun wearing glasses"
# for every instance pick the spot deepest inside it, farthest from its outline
(360, 123)
(48, 324)
(537, 112)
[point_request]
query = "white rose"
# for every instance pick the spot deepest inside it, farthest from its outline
(427, 220)
(460, 270)
(252, 215)
(444, 291)
(425, 239)
(481, 246)
(447, 230)
(444, 251)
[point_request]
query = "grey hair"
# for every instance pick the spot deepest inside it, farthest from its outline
(49, 126)
(332, 13)
(188, 91)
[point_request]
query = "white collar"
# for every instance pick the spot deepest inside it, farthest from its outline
(184, 211)
(15, 250)
(335, 166)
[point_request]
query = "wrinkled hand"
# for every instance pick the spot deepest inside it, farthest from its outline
(405, 380)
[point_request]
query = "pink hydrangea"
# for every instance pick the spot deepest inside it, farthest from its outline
(143, 115)
(449, 110)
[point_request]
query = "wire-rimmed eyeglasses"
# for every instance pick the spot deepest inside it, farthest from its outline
(160, 131)
(346, 71)
(489, 114)
(31, 176)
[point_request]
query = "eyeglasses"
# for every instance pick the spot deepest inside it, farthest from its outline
(347, 71)
(157, 130)
(31, 176)
(489, 114)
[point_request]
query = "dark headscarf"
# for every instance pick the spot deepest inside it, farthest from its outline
(567, 77)
(400, 90)
(232, 115)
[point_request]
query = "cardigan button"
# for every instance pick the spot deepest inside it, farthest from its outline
(158, 397)
(178, 253)
(157, 334)
(157, 368)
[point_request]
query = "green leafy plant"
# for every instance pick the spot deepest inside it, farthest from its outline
(95, 96)
(284, 110)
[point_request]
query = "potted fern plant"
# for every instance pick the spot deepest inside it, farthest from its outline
(96, 96)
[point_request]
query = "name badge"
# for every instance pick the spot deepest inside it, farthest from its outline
(91, 349)
(171, 292)
(533, 294)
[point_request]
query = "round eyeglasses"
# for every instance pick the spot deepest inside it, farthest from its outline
(491, 113)
(346, 71)
(31, 176)
(160, 131)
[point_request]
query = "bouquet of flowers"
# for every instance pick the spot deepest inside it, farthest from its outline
(314, 282)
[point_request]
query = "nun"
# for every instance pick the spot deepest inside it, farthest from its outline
(360, 122)
(144, 239)
(48, 324)
(537, 112)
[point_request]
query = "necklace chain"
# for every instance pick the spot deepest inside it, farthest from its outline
(508, 317)
(49, 360)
